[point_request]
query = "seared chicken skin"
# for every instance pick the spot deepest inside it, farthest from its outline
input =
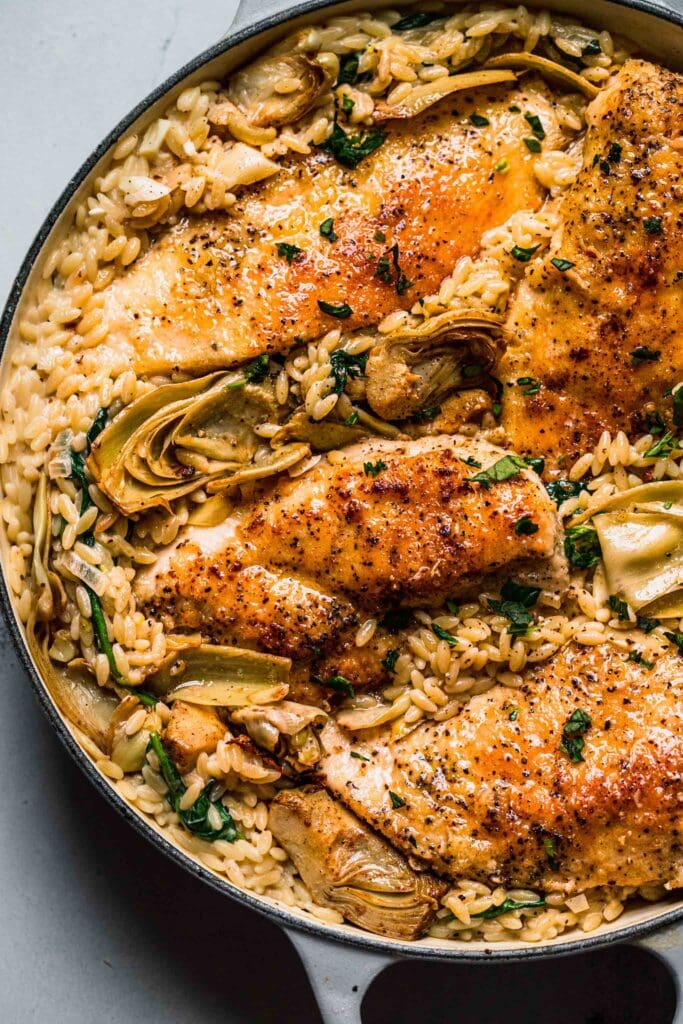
(492, 795)
(578, 329)
(214, 291)
(378, 525)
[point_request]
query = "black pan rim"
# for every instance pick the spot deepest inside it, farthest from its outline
(286, 919)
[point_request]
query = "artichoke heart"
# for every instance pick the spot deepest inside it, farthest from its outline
(273, 91)
(285, 730)
(349, 868)
(221, 677)
(180, 437)
(413, 367)
(641, 538)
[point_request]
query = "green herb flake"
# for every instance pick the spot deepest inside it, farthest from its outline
(347, 104)
(257, 371)
(507, 906)
(652, 225)
(341, 312)
(525, 526)
(389, 270)
(662, 448)
(515, 601)
(562, 490)
(428, 414)
(678, 407)
(575, 728)
(327, 230)
(350, 150)
(390, 659)
(518, 252)
(351, 420)
(561, 264)
(655, 423)
(535, 124)
(341, 684)
(504, 469)
(396, 800)
(619, 607)
(379, 236)
(289, 252)
(647, 624)
(533, 145)
(591, 49)
(344, 366)
(396, 619)
(582, 547)
(637, 658)
(677, 639)
(512, 713)
(471, 461)
(195, 818)
(514, 109)
(479, 121)
(453, 607)
(550, 852)
(643, 354)
(358, 756)
(100, 632)
(535, 463)
(444, 634)
(418, 20)
(373, 469)
(348, 69)
(529, 385)
(501, 166)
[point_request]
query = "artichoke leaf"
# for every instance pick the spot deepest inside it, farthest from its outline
(51, 596)
(416, 365)
(221, 677)
(285, 729)
(641, 538)
(330, 434)
(276, 462)
(546, 68)
(423, 96)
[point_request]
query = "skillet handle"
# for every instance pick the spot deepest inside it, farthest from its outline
(249, 12)
(667, 946)
(339, 975)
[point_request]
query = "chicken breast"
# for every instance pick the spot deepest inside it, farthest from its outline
(501, 793)
(603, 334)
(375, 526)
(213, 291)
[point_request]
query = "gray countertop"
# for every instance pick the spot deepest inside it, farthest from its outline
(95, 924)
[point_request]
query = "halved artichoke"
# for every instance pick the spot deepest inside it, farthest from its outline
(128, 752)
(413, 367)
(180, 437)
(546, 68)
(350, 869)
(273, 91)
(330, 434)
(423, 96)
(221, 677)
(285, 730)
(641, 538)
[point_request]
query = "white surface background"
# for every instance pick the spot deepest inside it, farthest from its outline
(94, 924)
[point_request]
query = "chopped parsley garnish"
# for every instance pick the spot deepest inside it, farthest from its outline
(535, 124)
(418, 20)
(350, 150)
(514, 109)
(591, 49)
(582, 547)
(677, 639)
(561, 264)
(655, 423)
(389, 270)
(444, 634)
(614, 153)
(518, 252)
(508, 905)
(506, 468)
(575, 728)
(663, 448)
(652, 225)
(525, 526)
(647, 624)
(196, 818)
(561, 490)
(289, 252)
(501, 166)
(257, 371)
(344, 366)
(535, 463)
(374, 468)
(471, 461)
(453, 607)
(341, 312)
(396, 800)
(428, 414)
(678, 407)
(390, 659)
(351, 420)
(358, 756)
(327, 230)
(550, 852)
(638, 659)
(619, 607)
(379, 236)
(515, 600)
(339, 683)
(529, 385)
(533, 145)
(471, 371)
(347, 104)
(512, 713)
(479, 121)
(348, 69)
(643, 354)
(396, 619)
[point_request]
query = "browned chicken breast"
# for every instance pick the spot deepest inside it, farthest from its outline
(213, 290)
(350, 869)
(573, 781)
(598, 321)
(375, 526)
